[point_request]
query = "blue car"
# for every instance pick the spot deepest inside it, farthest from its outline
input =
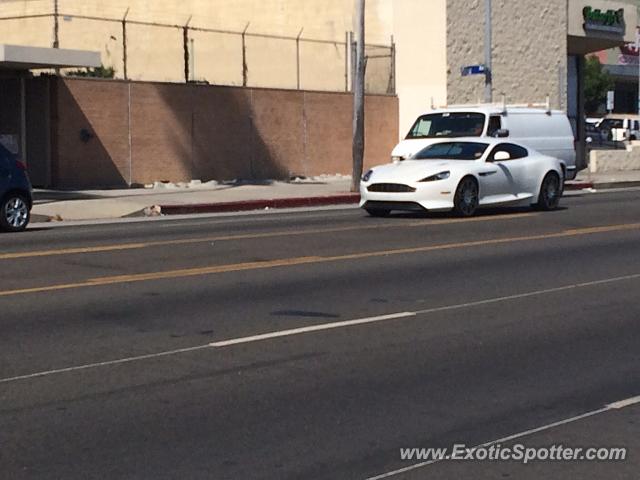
(15, 193)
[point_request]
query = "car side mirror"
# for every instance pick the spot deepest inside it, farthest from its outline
(501, 156)
(502, 133)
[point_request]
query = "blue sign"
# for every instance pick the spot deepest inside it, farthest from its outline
(473, 70)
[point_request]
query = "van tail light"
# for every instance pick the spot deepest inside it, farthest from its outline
(20, 165)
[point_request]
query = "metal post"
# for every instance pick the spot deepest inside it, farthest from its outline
(129, 136)
(347, 42)
(124, 45)
(185, 47)
(354, 61)
(358, 102)
(298, 57)
(56, 25)
(193, 59)
(245, 69)
(638, 50)
(488, 39)
(23, 119)
(392, 67)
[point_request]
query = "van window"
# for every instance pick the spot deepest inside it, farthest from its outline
(495, 124)
(454, 124)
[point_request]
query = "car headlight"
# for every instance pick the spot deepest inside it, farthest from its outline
(437, 176)
(367, 176)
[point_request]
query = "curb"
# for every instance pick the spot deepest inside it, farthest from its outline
(600, 186)
(612, 185)
(343, 199)
(570, 186)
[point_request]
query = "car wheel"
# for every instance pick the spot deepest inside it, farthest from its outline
(465, 201)
(14, 213)
(550, 192)
(378, 212)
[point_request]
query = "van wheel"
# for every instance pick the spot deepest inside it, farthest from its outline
(465, 201)
(550, 192)
(14, 213)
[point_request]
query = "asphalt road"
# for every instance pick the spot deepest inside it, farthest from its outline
(311, 345)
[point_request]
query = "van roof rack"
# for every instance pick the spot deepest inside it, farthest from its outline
(503, 104)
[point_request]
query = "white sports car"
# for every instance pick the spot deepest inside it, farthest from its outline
(462, 175)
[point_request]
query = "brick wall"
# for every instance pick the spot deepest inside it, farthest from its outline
(113, 133)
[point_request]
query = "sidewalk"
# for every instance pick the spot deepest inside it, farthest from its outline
(55, 205)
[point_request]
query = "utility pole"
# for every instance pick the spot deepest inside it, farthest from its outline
(358, 99)
(488, 38)
(638, 52)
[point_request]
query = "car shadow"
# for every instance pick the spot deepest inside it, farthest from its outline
(483, 212)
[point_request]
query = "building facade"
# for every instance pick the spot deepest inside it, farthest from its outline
(416, 48)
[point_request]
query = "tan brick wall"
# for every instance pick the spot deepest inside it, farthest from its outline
(529, 50)
(183, 132)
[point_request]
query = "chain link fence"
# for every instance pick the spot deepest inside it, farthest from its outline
(152, 51)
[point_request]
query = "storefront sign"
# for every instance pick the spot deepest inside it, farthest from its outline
(609, 21)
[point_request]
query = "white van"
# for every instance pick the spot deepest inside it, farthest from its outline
(547, 131)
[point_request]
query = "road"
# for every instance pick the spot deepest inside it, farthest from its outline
(311, 345)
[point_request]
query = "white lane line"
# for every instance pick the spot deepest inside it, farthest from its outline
(515, 436)
(322, 327)
(312, 328)
(384, 318)
(416, 466)
(624, 403)
(104, 364)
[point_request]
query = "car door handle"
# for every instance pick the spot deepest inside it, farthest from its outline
(486, 174)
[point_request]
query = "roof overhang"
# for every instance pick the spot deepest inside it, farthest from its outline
(17, 57)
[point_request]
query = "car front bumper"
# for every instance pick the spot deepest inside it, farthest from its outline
(431, 196)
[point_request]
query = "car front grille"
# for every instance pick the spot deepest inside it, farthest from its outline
(390, 187)
(406, 206)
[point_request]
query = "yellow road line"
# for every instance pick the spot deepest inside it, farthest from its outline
(288, 262)
(187, 241)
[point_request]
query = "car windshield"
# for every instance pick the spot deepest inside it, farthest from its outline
(452, 151)
(448, 124)
(612, 123)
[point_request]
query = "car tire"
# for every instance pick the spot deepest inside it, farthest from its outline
(466, 198)
(14, 213)
(378, 212)
(550, 192)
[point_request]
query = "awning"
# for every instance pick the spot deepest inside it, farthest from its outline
(17, 57)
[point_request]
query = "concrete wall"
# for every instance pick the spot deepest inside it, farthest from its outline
(529, 50)
(421, 63)
(113, 133)
(602, 161)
